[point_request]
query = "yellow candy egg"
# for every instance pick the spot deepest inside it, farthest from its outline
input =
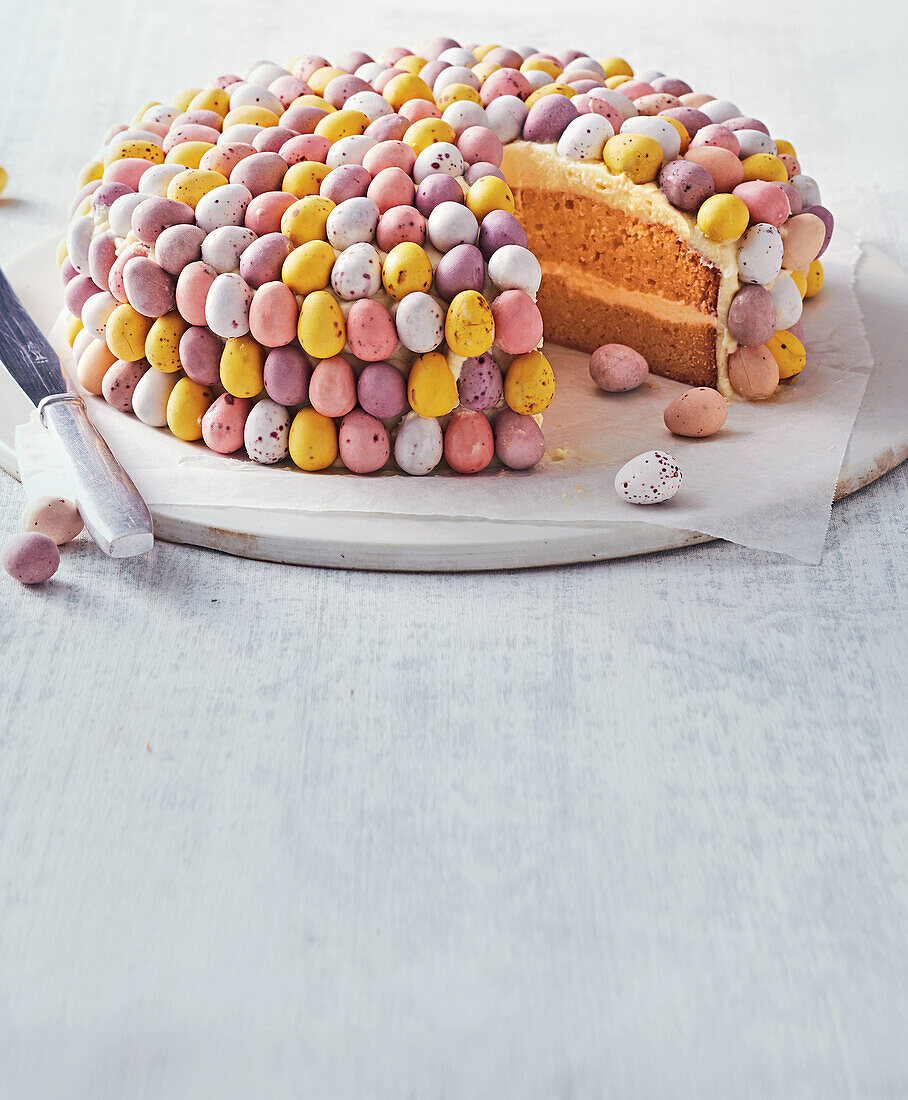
(211, 99)
(341, 124)
(786, 147)
(550, 89)
(146, 106)
(126, 333)
(73, 327)
(83, 208)
(242, 366)
(815, 277)
(162, 344)
(485, 69)
(193, 184)
(469, 324)
(634, 155)
(142, 150)
(188, 153)
(306, 219)
(427, 131)
(250, 115)
(457, 93)
(431, 387)
(62, 252)
(404, 87)
(723, 218)
(800, 281)
(616, 66)
(313, 440)
(529, 384)
(410, 64)
(764, 166)
(187, 404)
(308, 267)
(479, 52)
(615, 82)
(322, 331)
(182, 99)
(309, 100)
(682, 133)
(304, 178)
(322, 77)
(788, 352)
(94, 170)
(489, 193)
(406, 269)
(542, 65)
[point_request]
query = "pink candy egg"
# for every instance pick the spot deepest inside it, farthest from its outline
(332, 388)
(200, 355)
(120, 381)
(371, 332)
(505, 81)
(305, 147)
(151, 217)
(190, 132)
(224, 158)
(273, 315)
(77, 293)
(518, 322)
(388, 128)
(303, 118)
(716, 136)
(273, 139)
(287, 88)
(398, 225)
(617, 368)
(102, 255)
(696, 413)
(363, 443)
(469, 442)
(724, 167)
(264, 213)
(193, 285)
(31, 558)
(478, 143)
(115, 278)
(767, 202)
(348, 181)
(519, 442)
(391, 187)
(128, 170)
(416, 109)
(224, 422)
(287, 373)
(389, 154)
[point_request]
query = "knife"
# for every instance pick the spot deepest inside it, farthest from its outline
(111, 507)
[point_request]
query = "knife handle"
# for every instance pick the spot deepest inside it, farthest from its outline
(114, 513)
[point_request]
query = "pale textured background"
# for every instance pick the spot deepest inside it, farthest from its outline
(634, 829)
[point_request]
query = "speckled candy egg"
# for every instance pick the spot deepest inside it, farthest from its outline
(420, 322)
(480, 385)
(349, 181)
(650, 478)
(353, 221)
(752, 316)
(262, 261)
(519, 442)
(760, 254)
(223, 423)
(686, 185)
(178, 246)
(363, 442)
(286, 375)
(227, 306)
(55, 517)
(696, 413)
(356, 273)
(120, 381)
(223, 247)
(370, 332)
(617, 368)
(267, 432)
(222, 206)
(442, 158)
(469, 442)
(419, 445)
(548, 118)
(584, 138)
(30, 558)
(398, 225)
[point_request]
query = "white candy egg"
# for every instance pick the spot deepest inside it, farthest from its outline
(223, 247)
(223, 206)
(154, 180)
(513, 267)
(649, 478)
(419, 445)
(370, 71)
(150, 397)
(371, 104)
(457, 55)
(96, 311)
(621, 103)
(808, 188)
(267, 432)
(159, 113)
(352, 221)
(584, 138)
(440, 157)
(356, 273)
(450, 224)
(720, 110)
(786, 298)
(243, 132)
(265, 73)
(754, 141)
(78, 240)
(538, 79)
(463, 114)
(119, 216)
(506, 116)
(659, 130)
(254, 95)
(83, 339)
(227, 306)
(455, 74)
(349, 150)
(583, 64)
(420, 322)
(760, 254)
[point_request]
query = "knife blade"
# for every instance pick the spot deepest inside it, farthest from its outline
(111, 507)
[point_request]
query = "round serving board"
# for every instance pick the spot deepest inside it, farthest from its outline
(408, 543)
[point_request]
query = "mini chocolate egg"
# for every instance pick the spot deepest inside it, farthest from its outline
(420, 322)
(519, 442)
(506, 117)
(96, 313)
(263, 260)
(349, 150)
(31, 558)
(787, 301)
(273, 315)
(696, 413)
(227, 305)
(752, 315)
(469, 325)
(469, 442)
(150, 290)
(286, 375)
(760, 254)
(753, 372)
(660, 130)
(200, 355)
(56, 517)
(616, 368)
(332, 388)
(584, 138)
(381, 390)
(242, 367)
(266, 433)
(518, 322)
(808, 188)
(371, 332)
(223, 423)
(223, 206)
(178, 246)
(120, 381)
(352, 221)
(442, 158)
(803, 237)
(650, 478)
(357, 272)
(363, 442)
(150, 397)
(223, 247)
(513, 267)
(419, 445)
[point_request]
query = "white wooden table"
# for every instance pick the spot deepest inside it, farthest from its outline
(634, 829)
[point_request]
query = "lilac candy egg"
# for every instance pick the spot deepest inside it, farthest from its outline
(752, 316)
(261, 261)
(434, 190)
(398, 225)
(480, 385)
(794, 199)
(178, 246)
(420, 322)
(149, 288)
(200, 354)
(31, 558)
(519, 442)
(356, 273)
(363, 442)
(671, 86)
(260, 173)
(419, 445)
(151, 217)
(482, 168)
(339, 89)
(120, 381)
(548, 118)
(349, 181)
(461, 268)
(686, 185)
(828, 221)
(690, 118)
(266, 432)
(287, 373)
(500, 228)
(745, 122)
(381, 390)
(617, 368)
(227, 306)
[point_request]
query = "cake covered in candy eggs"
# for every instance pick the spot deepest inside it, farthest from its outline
(354, 264)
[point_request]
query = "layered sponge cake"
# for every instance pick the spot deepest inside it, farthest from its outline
(338, 263)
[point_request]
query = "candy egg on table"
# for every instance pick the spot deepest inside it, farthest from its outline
(363, 442)
(150, 397)
(469, 442)
(418, 445)
(617, 368)
(519, 442)
(266, 433)
(223, 423)
(760, 254)
(696, 413)
(55, 517)
(30, 558)
(650, 478)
